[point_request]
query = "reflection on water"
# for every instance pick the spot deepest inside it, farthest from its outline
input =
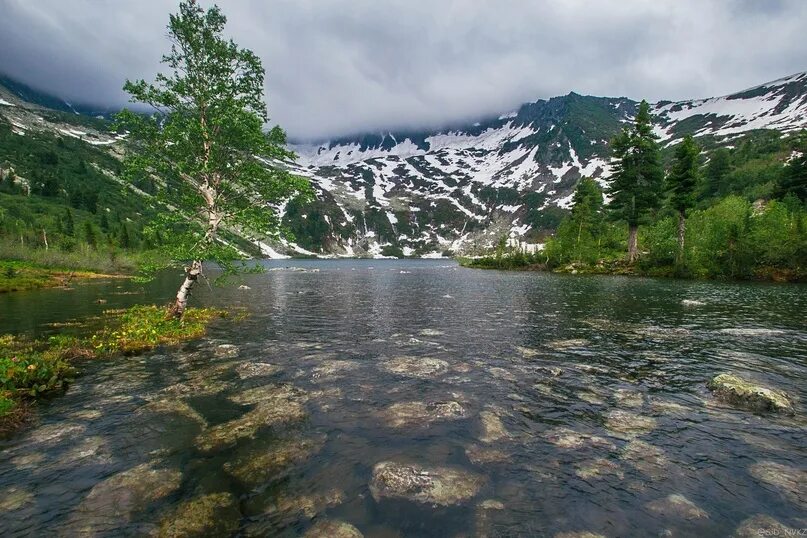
(415, 398)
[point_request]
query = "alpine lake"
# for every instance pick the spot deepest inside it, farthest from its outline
(390, 398)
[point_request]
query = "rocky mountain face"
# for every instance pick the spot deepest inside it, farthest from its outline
(464, 188)
(460, 189)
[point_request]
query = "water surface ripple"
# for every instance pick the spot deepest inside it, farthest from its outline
(572, 403)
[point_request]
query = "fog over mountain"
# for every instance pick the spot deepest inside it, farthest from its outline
(348, 66)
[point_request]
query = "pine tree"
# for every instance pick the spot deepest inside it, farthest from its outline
(208, 145)
(638, 177)
(682, 182)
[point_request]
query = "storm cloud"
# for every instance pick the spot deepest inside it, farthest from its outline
(336, 67)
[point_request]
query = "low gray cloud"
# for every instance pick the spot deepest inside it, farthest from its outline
(342, 66)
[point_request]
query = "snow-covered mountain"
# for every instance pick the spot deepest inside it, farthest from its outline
(462, 188)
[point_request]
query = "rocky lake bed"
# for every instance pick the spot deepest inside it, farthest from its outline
(409, 398)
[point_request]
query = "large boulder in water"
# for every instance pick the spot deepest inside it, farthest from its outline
(444, 486)
(737, 391)
(412, 414)
(215, 514)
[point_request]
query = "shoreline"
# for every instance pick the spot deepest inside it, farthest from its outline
(620, 268)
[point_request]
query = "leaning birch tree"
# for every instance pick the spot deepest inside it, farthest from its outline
(206, 146)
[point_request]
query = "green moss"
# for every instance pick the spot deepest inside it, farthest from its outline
(33, 368)
(145, 327)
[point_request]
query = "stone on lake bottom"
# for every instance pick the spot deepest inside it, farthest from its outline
(628, 425)
(763, 525)
(14, 498)
(646, 458)
(333, 528)
(247, 426)
(444, 486)
(308, 505)
(248, 370)
(570, 439)
(127, 492)
(479, 455)
(676, 505)
(492, 427)
(215, 514)
(578, 534)
(407, 414)
(791, 482)
(419, 367)
(598, 469)
(739, 392)
(254, 468)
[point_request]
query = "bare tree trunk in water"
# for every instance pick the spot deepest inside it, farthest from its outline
(682, 223)
(192, 273)
(633, 243)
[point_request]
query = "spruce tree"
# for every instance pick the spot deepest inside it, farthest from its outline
(638, 177)
(682, 182)
(794, 177)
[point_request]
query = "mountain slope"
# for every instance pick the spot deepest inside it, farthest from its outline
(423, 193)
(463, 188)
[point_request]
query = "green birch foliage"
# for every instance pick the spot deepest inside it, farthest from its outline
(204, 145)
(638, 176)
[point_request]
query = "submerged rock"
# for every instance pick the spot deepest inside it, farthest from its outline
(627, 424)
(566, 438)
(590, 397)
(14, 498)
(127, 492)
(599, 468)
(259, 467)
(789, 481)
(578, 534)
(562, 345)
(226, 350)
(199, 386)
(330, 369)
(762, 525)
(492, 427)
(483, 517)
(444, 486)
(215, 514)
(266, 414)
(527, 352)
(248, 370)
(479, 455)
(676, 505)
(628, 398)
(172, 407)
(333, 528)
(431, 332)
(308, 505)
(736, 391)
(275, 393)
(646, 458)
(420, 367)
(407, 414)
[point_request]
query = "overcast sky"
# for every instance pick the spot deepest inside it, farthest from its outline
(341, 66)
